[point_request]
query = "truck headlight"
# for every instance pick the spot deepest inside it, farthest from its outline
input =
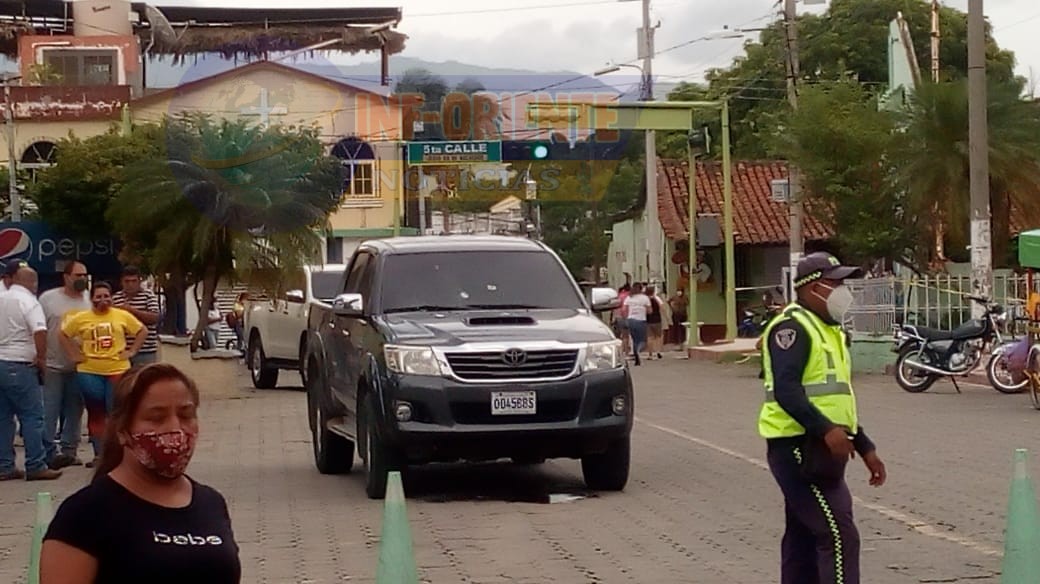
(605, 355)
(411, 360)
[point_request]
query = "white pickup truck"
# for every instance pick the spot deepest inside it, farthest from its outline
(275, 329)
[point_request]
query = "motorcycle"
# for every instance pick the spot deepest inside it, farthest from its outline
(755, 321)
(928, 354)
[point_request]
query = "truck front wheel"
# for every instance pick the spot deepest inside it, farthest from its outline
(608, 471)
(379, 458)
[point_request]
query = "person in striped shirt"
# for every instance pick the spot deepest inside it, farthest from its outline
(143, 304)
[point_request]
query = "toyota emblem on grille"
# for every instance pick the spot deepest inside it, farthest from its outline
(514, 357)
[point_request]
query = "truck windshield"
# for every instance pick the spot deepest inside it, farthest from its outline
(326, 284)
(476, 279)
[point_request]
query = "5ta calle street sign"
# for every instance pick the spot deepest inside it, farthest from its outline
(447, 152)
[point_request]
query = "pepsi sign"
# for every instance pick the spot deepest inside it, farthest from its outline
(47, 251)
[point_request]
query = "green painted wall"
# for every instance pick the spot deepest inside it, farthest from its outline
(872, 354)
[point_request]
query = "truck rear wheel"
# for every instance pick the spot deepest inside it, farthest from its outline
(333, 454)
(264, 376)
(608, 471)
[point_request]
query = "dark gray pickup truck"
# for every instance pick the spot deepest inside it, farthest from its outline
(475, 348)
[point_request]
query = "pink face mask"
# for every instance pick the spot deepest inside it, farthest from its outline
(166, 454)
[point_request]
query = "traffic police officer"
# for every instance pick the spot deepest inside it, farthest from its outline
(810, 424)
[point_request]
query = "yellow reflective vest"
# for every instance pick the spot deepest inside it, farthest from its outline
(827, 377)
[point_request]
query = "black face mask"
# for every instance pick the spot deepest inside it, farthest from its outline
(79, 285)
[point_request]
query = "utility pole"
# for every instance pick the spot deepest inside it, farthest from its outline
(654, 238)
(12, 155)
(935, 41)
(796, 210)
(978, 156)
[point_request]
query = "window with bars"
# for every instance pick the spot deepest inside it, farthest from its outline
(359, 167)
(359, 178)
(83, 67)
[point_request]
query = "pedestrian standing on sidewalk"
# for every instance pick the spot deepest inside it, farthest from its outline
(811, 426)
(637, 307)
(144, 305)
(23, 356)
(95, 340)
(142, 519)
(62, 400)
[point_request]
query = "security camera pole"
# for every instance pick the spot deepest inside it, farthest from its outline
(978, 157)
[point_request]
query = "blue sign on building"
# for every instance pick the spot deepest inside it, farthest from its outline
(48, 252)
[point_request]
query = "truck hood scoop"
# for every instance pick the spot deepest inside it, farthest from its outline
(500, 320)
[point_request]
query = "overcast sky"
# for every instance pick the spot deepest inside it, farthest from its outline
(584, 35)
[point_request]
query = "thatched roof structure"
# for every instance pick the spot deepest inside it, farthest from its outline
(231, 32)
(253, 41)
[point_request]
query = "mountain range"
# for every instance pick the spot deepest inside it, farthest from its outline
(164, 73)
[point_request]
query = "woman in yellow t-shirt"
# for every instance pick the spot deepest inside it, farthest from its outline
(96, 341)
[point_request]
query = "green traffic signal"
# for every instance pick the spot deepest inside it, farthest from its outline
(540, 151)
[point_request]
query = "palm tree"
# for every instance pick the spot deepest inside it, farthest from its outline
(230, 200)
(933, 159)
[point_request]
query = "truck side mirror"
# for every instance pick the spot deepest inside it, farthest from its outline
(604, 299)
(348, 305)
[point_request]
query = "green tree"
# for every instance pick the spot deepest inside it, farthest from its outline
(844, 145)
(433, 88)
(74, 194)
(229, 201)
(933, 162)
(849, 40)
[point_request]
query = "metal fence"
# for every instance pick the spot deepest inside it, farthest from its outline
(876, 307)
(933, 301)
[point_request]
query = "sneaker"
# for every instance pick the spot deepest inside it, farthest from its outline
(12, 475)
(46, 474)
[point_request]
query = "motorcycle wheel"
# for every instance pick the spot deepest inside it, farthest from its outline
(907, 376)
(1033, 374)
(1002, 380)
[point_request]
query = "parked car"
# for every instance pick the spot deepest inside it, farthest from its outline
(275, 329)
(475, 348)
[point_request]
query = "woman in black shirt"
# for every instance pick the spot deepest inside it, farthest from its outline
(142, 519)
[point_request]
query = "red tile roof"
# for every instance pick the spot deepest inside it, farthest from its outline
(757, 220)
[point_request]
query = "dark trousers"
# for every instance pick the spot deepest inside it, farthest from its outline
(821, 542)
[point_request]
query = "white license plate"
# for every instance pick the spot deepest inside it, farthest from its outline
(513, 403)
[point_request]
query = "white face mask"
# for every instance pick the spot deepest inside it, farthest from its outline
(838, 302)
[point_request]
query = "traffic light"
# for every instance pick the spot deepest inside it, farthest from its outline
(513, 150)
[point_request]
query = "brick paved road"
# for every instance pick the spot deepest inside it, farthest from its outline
(700, 508)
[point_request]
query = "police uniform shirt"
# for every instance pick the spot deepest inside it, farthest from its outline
(789, 346)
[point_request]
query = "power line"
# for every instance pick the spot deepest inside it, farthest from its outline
(511, 9)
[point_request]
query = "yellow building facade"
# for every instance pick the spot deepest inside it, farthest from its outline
(360, 127)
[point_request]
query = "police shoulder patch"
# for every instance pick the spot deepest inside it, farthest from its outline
(785, 338)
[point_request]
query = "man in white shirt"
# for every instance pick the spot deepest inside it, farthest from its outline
(23, 355)
(10, 267)
(62, 400)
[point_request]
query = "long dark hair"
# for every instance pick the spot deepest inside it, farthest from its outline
(129, 392)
